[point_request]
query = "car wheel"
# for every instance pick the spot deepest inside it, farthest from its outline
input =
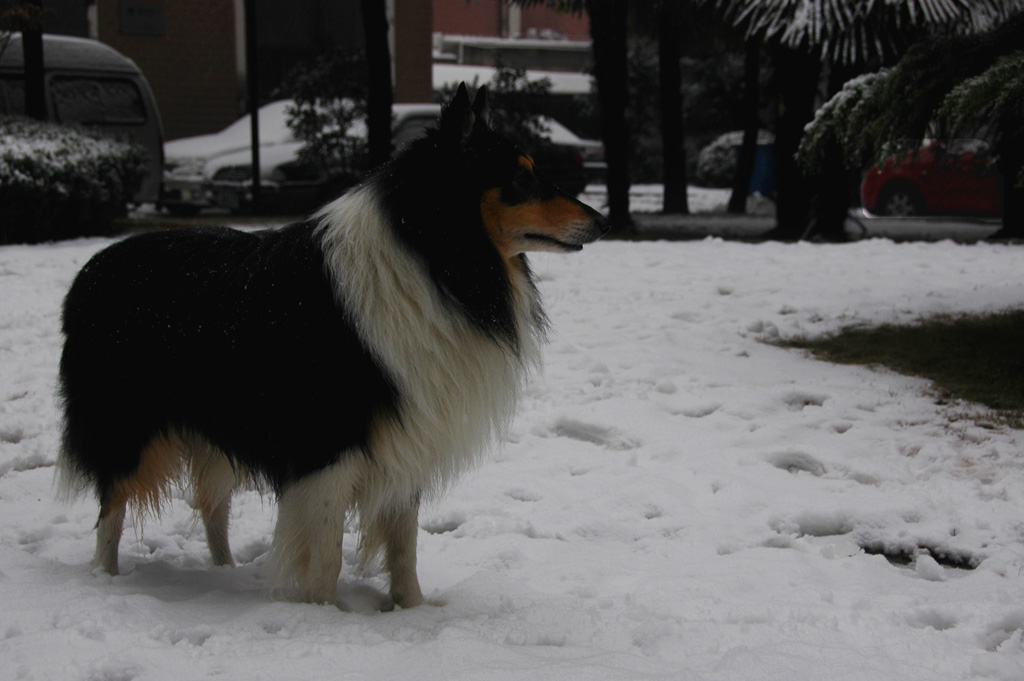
(900, 200)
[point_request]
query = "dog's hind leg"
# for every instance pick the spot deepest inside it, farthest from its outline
(306, 549)
(215, 520)
(108, 536)
(213, 479)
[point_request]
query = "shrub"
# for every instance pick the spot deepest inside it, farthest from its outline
(58, 182)
(329, 94)
(716, 163)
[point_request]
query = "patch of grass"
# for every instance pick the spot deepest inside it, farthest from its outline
(973, 358)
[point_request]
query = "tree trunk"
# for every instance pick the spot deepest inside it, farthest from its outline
(252, 82)
(1013, 213)
(797, 74)
(831, 204)
(1010, 165)
(379, 94)
(673, 150)
(751, 126)
(832, 200)
(32, 47)
(608, 23)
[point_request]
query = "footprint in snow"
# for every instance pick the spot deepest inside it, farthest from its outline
(443, 524)
(594, 434)
(814, 523)
(195, 636)
(801, 462)
(12, 435)
(25, 463)
(797, 462)
(798, 400)
(1003, 629)
(929, 617)
(700, 411)
(523, 495)
(113, 672)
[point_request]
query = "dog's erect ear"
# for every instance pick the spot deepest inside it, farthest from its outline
(480, 110)
(459, 118)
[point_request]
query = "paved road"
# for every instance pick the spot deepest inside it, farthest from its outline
(658, 226)
(753, 227)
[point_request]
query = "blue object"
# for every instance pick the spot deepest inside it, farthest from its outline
(762, 180)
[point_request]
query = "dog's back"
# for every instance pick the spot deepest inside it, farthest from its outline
(219, 332)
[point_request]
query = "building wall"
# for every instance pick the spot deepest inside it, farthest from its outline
(571, 26)
(412, 50)
(66, 17)
(186, 49)
(295, 33)
(490, 18)
(468, 17)
(189, 49)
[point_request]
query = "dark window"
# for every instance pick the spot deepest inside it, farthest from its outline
(12, 96)
(97, 101)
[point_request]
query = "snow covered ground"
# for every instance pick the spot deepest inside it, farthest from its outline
(678, 500)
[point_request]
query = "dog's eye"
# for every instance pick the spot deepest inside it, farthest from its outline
(524, 186)
(525, 179)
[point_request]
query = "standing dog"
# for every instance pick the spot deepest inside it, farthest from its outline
(354, 362)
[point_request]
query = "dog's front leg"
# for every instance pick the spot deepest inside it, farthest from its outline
(400, 533)
(306, 549)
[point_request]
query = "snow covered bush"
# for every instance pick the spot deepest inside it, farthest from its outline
(58, 182)
(844, 121)
(716, 163)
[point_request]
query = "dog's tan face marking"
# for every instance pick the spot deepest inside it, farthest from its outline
(538, 219)
(550, 225)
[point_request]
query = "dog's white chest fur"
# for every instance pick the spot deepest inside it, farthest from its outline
(458, 388)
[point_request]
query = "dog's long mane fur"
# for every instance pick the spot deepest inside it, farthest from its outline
(463, 263)
(457, 376)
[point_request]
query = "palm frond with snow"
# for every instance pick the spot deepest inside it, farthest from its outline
(959, 85)
(849, 31)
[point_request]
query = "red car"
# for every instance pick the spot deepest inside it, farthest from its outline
(937, 179)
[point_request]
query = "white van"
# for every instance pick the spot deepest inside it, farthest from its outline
(90, 84)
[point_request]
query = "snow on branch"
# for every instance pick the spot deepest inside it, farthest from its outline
(848, 31)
